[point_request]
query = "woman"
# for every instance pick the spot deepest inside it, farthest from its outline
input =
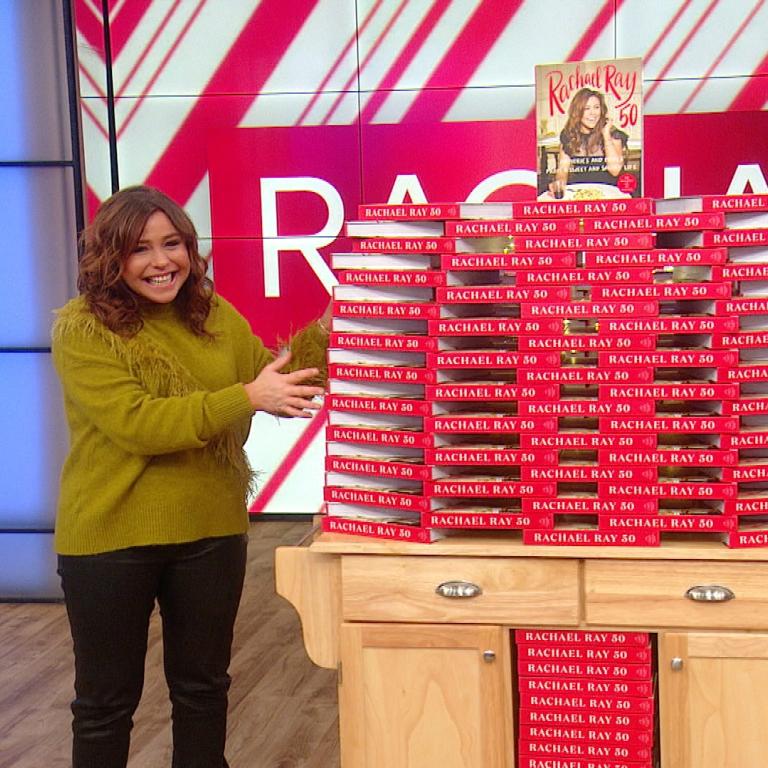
(591, 148)
(160, 378)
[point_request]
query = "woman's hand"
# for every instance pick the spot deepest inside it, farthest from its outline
(283, 394)
(557, 189)
(560, 182)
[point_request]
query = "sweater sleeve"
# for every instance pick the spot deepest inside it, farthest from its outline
(99, 385)
(308, 347)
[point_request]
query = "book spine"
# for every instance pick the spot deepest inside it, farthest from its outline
(587, 375)
(375, 530)
(501, 294)
(382, 342)
(595, 309)
(485, 520)
(630, 407)
(702, 523)
(473, 391)
(662, 291)
(587, 342)
(735, 203)
(669, 391)
(509, 227)
(657, 257)
(562, 702)
(669, 458)
(389, 373)
(676, 325)
(414, 211)
(735, 238)
(467, 262)
(602, 242)
(673, 424)
(557, 209)
(490, 359)
(492, 326)
(460, 424)
(668, 490)
(385, 309)
(660, 223)
(692, 358)
(424, 278)
(591, 506)
(384, 469)
(589, 441)
(574, 538)
(392, 406)
(404, 245)
(583, 276)
(458, 455)
(487, 489)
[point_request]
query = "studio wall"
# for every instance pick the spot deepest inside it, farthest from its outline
(333, 102)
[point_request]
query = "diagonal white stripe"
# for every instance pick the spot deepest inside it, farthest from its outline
(95, 8)
(392, 44)
(513, 103)
(271, 440)
(712, 37)
(324, 35)
(159, 117)
(96, 156)
(522, 35)
(424, 63)
(716, 95)
(198, 55)
(639, 24)
(92, 63)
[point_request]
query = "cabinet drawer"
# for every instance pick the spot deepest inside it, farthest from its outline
(520, 591)
(653, 594)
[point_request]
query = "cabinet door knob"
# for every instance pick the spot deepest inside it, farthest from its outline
(458, 589)
(710, 593)
(676, 664)
(489, 656)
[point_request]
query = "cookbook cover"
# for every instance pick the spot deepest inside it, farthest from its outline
(589, 129)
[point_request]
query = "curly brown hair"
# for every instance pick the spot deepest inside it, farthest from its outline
(108, 241)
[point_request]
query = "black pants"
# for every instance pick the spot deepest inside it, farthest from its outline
(109, 599)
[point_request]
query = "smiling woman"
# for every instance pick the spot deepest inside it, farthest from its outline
(160, 377)
(159, 264)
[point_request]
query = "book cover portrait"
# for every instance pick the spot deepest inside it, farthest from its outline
(589, 128)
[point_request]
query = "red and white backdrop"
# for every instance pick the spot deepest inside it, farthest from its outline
(270, 120)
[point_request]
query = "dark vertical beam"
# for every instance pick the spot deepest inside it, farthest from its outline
(111, 125)
(74, 114)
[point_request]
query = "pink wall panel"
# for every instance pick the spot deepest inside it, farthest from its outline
(352, 95)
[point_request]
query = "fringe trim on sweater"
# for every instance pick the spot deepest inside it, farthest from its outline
(160, 373)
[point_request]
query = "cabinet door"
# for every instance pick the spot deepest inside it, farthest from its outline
(425, 696)
(713, 700)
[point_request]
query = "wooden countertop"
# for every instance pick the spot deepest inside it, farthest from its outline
(509, 544)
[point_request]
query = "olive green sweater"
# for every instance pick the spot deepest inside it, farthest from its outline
(157, 426)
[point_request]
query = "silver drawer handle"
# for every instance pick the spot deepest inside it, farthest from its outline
(458, 589)
(710, 594)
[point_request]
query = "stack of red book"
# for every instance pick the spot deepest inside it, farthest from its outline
(377, 366)
(588, 372)
(740, 341)
(586, 699)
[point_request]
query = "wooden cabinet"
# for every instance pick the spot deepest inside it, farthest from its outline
(426, 680)
(414, 696)
(713, 691)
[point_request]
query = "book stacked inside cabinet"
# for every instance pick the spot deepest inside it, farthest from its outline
(740, 340)
(377, 367)
(586, 699)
